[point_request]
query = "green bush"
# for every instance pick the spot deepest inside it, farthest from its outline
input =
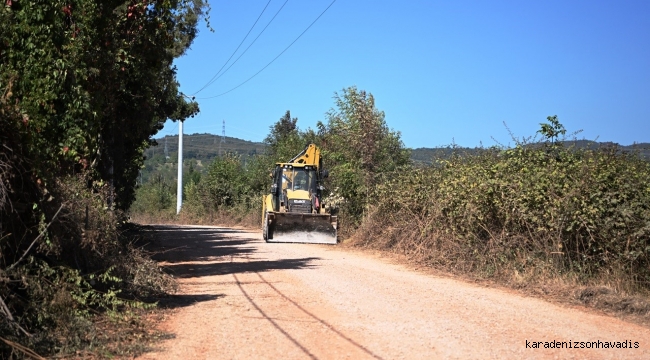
(156, 198)
(535, 209)
(230, 188)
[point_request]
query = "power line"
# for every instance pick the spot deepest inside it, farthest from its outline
(244, 52)
(239, 131)
(275, 58)
(168, 131)
(238, 46)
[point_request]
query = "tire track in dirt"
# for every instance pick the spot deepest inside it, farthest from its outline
(242, 298)
(273, 322)
(295, 304)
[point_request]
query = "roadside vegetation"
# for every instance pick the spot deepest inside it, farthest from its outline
(542, 216)
(84, 85)
(550, 215)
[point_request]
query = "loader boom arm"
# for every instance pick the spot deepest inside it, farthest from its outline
(309, 156)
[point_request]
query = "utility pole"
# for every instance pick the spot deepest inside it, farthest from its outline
(179, 185)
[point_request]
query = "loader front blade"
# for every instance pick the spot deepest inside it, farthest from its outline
(303, 228)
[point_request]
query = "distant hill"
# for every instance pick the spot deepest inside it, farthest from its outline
(425, 155)
(201, 149)
(642, 148)
(198, 150)
(204, 147)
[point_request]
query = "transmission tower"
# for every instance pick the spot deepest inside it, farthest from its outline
(223, 136)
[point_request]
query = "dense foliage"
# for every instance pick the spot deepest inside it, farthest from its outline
(535, 210)
(84, 84)
(360, 150)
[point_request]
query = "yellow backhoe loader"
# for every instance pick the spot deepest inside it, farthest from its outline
(294, 210)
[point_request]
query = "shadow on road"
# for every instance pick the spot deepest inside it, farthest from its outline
(176, 301)
(195, 252)
(174, 244)
(225, 268)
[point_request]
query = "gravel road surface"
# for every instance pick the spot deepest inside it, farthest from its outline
(242, 298)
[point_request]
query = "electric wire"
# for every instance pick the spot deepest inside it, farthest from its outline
(235, 132)
(238, 46)
(275, 58)
(167, 131)
(245, 50)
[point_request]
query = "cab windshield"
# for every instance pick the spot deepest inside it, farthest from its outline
(300, 179)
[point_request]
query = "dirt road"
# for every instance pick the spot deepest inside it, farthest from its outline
(242, 298)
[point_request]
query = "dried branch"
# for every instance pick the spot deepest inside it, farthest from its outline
(5, 172)
(25, 350)
(5, 310)
(37, 238)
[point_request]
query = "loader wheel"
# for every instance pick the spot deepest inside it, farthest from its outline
(265, 229)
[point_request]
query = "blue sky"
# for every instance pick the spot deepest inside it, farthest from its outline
(442, 71)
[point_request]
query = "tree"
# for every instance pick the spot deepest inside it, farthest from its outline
(81, 72)
(84, 84)
(552, 130)
(226, 181)
(359, 146)
(284, 139)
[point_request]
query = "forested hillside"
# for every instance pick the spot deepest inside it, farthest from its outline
(201, 149)
(427, 155)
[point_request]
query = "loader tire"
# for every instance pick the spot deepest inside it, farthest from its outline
(265, 229)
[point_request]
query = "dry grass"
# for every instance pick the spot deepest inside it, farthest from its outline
(440, 254)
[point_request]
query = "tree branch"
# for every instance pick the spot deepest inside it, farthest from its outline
(35, 240)
(5, 309)
(25, 350)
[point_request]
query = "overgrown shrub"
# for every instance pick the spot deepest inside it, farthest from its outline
(157, 198)
(80, 266)
(84, 84)
(230, 188)
(536, 210)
